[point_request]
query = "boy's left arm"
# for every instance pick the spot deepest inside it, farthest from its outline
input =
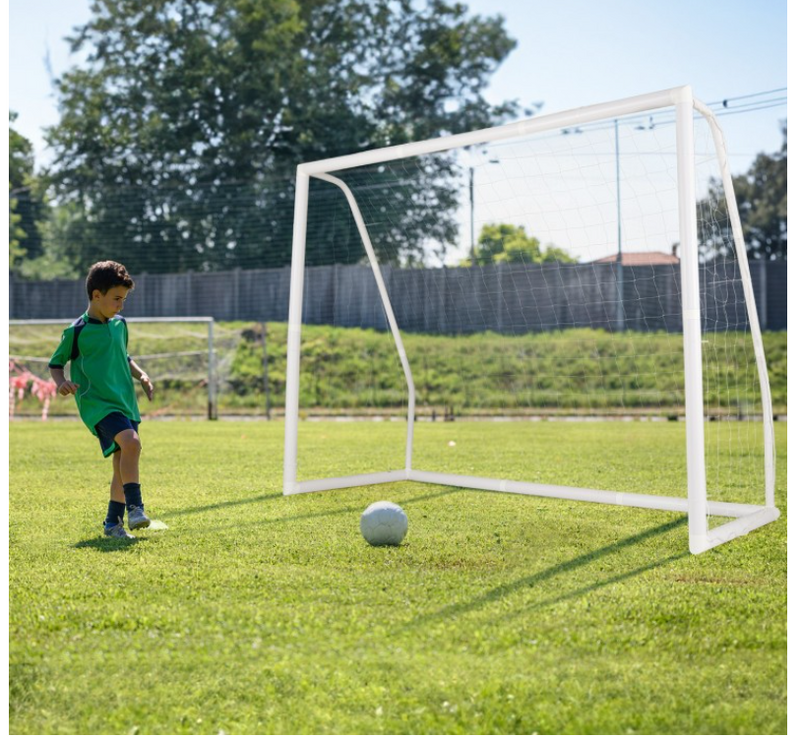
(138, 374)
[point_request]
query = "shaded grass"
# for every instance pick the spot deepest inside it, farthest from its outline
(258, 613)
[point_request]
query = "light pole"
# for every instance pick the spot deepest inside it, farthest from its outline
(473, 256)
(620, 285)
(618, 262)
(472, 252)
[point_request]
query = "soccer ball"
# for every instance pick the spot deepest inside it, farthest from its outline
(384, 523)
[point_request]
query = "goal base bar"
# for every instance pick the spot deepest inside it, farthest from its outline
(747, 517)
(619, 498)
(344, 482)
(733, 529)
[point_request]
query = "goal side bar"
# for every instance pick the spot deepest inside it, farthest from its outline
(750, 300)
(387, 306)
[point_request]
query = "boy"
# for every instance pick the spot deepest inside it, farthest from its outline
(100, 378)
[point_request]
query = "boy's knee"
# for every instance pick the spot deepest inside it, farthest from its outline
(128, 441)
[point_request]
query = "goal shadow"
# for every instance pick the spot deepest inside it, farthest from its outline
(504, 590)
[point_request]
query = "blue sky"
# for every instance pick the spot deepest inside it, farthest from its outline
(570, 53)
(577, 52)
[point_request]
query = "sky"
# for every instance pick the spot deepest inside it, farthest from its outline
(569, 54)
(578, 52)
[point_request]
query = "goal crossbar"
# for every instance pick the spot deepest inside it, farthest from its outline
(695, 504)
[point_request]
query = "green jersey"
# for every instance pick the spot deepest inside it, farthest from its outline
(99, 363)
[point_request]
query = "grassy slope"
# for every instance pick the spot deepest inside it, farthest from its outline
(256, 613)
(353, 370)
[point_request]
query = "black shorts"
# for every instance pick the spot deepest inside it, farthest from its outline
(111, 426)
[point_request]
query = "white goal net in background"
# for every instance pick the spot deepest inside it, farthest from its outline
(190, 358)
(591, 281)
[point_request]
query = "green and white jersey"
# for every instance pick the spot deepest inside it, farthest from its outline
(98, 356)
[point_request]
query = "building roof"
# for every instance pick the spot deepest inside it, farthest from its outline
(641, 258)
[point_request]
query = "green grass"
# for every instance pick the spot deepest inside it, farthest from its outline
(256, 613)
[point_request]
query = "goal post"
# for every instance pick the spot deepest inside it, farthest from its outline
(700, 303)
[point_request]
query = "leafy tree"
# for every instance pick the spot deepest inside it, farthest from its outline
(761, 197)
(504, 243)
(15, 233)
(179, 138)
(26, 208)
(34, 250)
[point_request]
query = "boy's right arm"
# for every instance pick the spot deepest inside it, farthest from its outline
(63, 385)
(59, 360)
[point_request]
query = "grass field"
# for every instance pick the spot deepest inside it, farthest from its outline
(255, 613)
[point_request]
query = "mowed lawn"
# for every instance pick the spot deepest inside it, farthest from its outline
(258, 613)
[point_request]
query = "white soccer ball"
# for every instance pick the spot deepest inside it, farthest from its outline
(384, 523)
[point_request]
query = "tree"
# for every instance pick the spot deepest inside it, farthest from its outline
(15, 233)
(761, 197)
(178, 140)
(35, 251)
(504, 243)
(26, 208)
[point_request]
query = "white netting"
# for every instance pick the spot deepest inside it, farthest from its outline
(174, 353)
(565, 303)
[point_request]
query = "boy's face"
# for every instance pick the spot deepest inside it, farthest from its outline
(110, 303)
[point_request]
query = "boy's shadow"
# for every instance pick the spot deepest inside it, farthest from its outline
(108, 544)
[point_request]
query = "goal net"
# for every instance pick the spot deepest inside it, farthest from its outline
(567, 269)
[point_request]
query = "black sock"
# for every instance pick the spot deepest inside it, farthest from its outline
(116, 513)
(133, 495)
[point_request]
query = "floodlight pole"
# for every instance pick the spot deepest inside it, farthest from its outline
(472, 250)
(620, 285)
(473, 255)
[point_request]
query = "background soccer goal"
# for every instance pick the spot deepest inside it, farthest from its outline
(590, 282)
(184, 354)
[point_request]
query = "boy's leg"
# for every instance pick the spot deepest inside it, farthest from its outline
(116, 505)
(117, 494)
(130, 450)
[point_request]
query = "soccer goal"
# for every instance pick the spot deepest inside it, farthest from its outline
(565, 269)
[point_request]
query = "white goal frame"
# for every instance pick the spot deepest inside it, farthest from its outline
(747, 517)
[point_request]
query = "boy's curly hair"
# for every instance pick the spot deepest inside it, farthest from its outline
(105, 275)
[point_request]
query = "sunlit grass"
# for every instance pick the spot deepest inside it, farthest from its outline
(258, 613)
